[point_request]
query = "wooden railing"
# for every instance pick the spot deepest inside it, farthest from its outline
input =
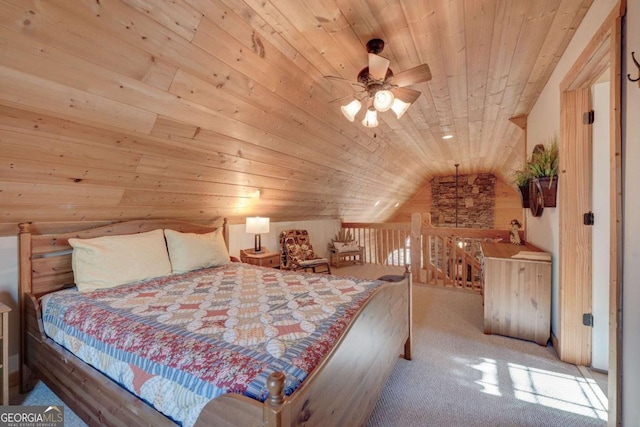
(448, 257)
(384, 244)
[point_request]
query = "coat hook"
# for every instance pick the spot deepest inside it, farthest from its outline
(637, 65)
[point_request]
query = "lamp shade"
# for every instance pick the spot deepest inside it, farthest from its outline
(400, 107)
(257, 225)
(351, 109)
(371, 118)
(383, 100)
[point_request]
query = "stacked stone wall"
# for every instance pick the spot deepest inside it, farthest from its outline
(475, 201)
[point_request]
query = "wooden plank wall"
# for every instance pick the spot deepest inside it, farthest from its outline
(507, 205)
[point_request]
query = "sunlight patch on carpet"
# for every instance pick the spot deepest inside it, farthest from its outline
(569, 393)
(489, 381)
(574, 394)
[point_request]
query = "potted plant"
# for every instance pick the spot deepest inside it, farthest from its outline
(521, 179)
(543, 166)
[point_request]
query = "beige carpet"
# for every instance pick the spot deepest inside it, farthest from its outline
(461, 377)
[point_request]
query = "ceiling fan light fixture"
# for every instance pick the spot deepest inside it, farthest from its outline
(371, 118)
(351, 109)
(399, 107)
(383, 100)
(381, 89)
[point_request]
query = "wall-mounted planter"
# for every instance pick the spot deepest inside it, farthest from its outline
(524, 195)
(549, 191)
(538, 194)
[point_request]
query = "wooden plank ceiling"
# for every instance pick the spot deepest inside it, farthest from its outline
(199, 109)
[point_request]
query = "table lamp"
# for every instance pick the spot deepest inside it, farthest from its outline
(257, 225)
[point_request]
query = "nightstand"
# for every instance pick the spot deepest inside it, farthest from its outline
(4, 363)
(263, 259)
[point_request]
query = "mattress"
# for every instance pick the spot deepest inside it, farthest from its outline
(179, 341)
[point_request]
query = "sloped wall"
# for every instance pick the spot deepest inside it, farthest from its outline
(506, 207)
(421, 202)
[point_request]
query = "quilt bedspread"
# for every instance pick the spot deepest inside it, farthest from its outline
(179, 341)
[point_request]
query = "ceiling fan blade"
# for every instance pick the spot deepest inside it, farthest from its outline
(351, 82)
(338, 78)
(342, 98)
(378, 66)
(406, 95)
(418, 74)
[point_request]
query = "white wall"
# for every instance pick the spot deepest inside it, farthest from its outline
(601, 228)
(543, 124)
(631, 222)
(320, 234)
(9, 293)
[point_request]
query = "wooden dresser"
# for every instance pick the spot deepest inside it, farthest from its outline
(517, 291)
(263, 259)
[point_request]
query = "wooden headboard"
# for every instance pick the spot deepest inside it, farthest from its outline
(45, 259)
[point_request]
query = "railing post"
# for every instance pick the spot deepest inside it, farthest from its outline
(416, 246)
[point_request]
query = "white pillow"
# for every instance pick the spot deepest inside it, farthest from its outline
(191, 251)
(108, 261)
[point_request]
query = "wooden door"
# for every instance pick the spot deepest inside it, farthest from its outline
(575, 237)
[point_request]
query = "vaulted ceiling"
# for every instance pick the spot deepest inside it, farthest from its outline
(198, 109)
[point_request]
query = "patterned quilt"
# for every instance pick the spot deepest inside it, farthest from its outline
(179, 341)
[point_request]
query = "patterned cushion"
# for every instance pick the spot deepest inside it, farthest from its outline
(296, 248)
(313, 262)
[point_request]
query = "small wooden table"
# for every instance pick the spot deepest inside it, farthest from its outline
(263, 259)
(4, 363)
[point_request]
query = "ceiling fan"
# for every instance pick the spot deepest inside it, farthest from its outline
(381, 89)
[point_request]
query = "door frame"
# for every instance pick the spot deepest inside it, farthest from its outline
(603, 50)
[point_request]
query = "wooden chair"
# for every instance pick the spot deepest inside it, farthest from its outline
(297, 253)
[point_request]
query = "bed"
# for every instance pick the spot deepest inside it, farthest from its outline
(341, 390)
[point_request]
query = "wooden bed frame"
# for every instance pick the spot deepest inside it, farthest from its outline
(342, 390)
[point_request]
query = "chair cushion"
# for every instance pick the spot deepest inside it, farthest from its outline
(296, 248)
(300, 252)
(311, 262)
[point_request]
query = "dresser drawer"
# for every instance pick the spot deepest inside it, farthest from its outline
(272, 261)
(265, 259)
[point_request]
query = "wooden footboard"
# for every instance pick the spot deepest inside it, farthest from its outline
(342, 390)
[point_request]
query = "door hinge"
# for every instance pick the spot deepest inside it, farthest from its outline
(588, 218)
(588, 117)
(587, 319)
